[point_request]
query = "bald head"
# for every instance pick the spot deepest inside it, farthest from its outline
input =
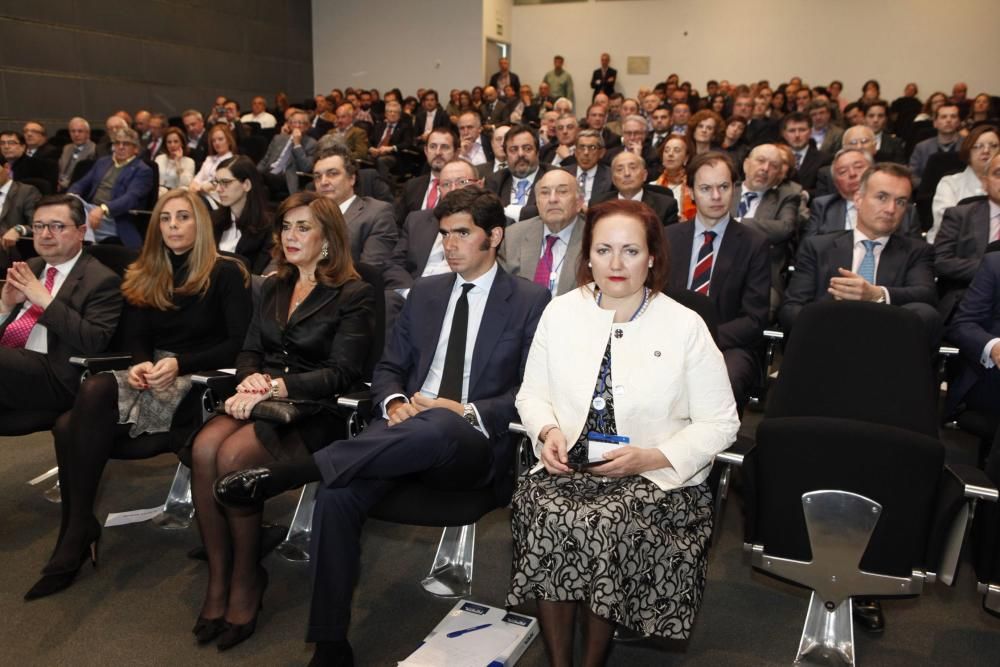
(559, 199)
(860, 137)
(762, 168)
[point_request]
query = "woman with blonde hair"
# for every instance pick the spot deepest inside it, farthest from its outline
(187, 310)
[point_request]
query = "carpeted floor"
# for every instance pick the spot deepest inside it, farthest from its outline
(138, 606)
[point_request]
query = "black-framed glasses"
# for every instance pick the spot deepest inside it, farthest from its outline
(54, 227)
(224, 182)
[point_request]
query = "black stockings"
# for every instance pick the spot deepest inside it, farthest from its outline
(558, 621)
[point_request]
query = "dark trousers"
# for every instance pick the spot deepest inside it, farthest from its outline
(436, 447)
(28, 383)
(744, 373)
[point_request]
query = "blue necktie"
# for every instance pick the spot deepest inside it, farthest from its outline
(867, 268)
(745, 201)
(519, 194)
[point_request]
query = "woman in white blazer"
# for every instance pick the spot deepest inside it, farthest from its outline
(617, 359)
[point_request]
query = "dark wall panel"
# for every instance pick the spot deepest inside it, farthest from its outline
(60, 58)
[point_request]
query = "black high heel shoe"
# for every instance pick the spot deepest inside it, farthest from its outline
(237, 634)
(207, 629)
(54, 582)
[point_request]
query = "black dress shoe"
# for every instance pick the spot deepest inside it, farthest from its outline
(868, 615)
(237, 634)
(242, 489)
(333, 654)
(207, 629)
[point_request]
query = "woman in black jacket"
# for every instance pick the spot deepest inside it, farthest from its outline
(309, 339)
(242, 225)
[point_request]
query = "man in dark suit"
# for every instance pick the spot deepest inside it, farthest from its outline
(975, 329)
(597, 119)
(593, 177)
(288, 154)
(500, 80)
(154, 144)
(430, 116)
(323, 118)
(389, 136)
(966, 231)
(37, 143)
(432, 423)
(60, 304)
(559, 153)
(628, 178)
(116, 185)
(604, 77)
(79, 148)
(888, 147)
(871, 263)
(370, 222)
(17, 208)
(796, 130)
(499, 160)
(494, 110)
(422, 192)
(717, 256)
(197, 137)
(515, 185)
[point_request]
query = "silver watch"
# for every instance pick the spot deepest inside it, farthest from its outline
(469, 414)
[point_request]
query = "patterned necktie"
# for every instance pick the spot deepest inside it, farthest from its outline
(995, 223)
(385, 135)
(745, 201)
(278, 167)
(520, 194)
(432, 196)
(582, 180)
(867, 267)
(703, 269)
(852, 216)
(18, 331)
(544, 269)
(454, 357)
(799, 157)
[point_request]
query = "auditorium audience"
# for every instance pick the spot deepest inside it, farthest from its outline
(259, 114)
(947, 140)
(17, 211)
(675, 153)
(978, 149)
(242, 223)
(291, 151)
(79, 148)
(175, 167)
(222, 146)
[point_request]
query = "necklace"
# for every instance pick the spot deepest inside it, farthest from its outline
(638, 311)
(296, 302)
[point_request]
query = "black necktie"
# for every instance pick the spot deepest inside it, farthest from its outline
(454, 357)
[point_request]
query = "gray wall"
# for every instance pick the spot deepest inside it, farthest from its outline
(60, 58)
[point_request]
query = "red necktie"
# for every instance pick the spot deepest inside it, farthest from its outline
(544, 269)
(18, 331)
(703, 269)
(385, 135)
(432, 196)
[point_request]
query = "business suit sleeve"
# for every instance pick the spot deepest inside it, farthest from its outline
(90, 328)
(969, 328)
(345, 364)
(919, 284)
(779, 226)
(801, 288)
(399, 357)
(746, 330)
(947, 263)
(304, 153)
(141, 184)
(817, 211)
(381, 238)
(395, 274)
(534, 403)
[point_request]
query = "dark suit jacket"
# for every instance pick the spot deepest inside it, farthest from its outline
(401, 137)
(828, 214)
(46, 152)
(372, 227)
(740, 280)
(513, 308)
(81, 319)
(18, 206)
(515, 82)
(976, 322)
(892, 150)
(199, 152)
(413, 247)
(320, 128)
(958, 250)
(808, 171)
(777, 217)
(412, 196)
(440, 120)
(66, 162)
(502, 183)
(500, 112)
(604, 82)
(301, 158)
(661, 200)
(325, 342)
(602, 180)
(905, 268)
(132, 190)
(548, 153)
(761, 131)
(254, 249)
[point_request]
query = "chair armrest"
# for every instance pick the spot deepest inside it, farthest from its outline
(221, 382)
(357, 405)
(975, 482)
(737, 452)
(103, 362)
(517, 427)
(948, 350)
(774, 334)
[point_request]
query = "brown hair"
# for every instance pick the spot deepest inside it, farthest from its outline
(656, 240)
(965, 152)
(180, 136)
(712, 158)
(704, 114)
(338, 267)
(149, 280)
(230, 139)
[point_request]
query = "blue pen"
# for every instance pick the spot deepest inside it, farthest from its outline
(459, 633)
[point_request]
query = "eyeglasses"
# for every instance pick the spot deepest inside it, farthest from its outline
(991, 146)
(10, 142)
(587, 148)
(456, 184)
(224, 182)
(859, 142)
(116, 144)
(54, 227)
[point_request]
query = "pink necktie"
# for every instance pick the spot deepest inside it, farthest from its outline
(432, 196)
(18, 331)
(544, 269)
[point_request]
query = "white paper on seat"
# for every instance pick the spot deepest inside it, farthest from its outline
(133, 516)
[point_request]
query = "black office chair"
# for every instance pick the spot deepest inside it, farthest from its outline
(986, 542)
(846, 490)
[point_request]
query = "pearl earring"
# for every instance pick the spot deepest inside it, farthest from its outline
(650, 263)
(589, 265)
(325, 250)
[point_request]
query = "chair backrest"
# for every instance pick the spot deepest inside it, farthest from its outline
(855, 360)
(373, 277)
(115, 257)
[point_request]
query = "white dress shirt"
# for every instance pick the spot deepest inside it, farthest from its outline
(559, 249)
(231, 236)
(951, 190)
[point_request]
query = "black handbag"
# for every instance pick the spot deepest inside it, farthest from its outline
(286, 410)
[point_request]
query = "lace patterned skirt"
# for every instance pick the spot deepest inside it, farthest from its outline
(634, 553)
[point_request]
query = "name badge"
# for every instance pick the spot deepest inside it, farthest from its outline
(600, 443)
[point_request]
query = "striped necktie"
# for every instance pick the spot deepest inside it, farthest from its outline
(703, 269)
(867, 267)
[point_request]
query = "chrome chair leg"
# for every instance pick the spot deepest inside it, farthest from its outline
(296, 544)
(53, 494)
(178, 509)
(451, 573)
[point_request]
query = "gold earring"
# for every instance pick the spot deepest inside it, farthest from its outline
(325, 251)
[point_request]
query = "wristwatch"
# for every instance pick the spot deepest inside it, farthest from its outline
(274, 389)
(881, 296)
(469, 415)
(21, 230)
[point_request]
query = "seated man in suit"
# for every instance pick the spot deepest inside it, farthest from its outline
(836, 212)
(515, 184)
(153, 143)
(470, 139)
(634, 139)
(422, 192)
(975, 329)
(430, 116)
(197, 137)
(37, 143)
(824, 133)
(444, 392)
(352, 136)
(560, 153)
(661, 121)
(116, 185)
(287, 154)
(728, 262)
(60, 304)
(966, 231)
(888, 147)
(597, 119)
(499, 161)
(947, 140)
(770, 204)
(79, 148)
(17, 208)
(859, 137)
(873, 262)
(796, 130)
(323, 119)
(592, 175)
(494, 110)
(370, 221)
(389, 136)
(629, 178)
(546, 249)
